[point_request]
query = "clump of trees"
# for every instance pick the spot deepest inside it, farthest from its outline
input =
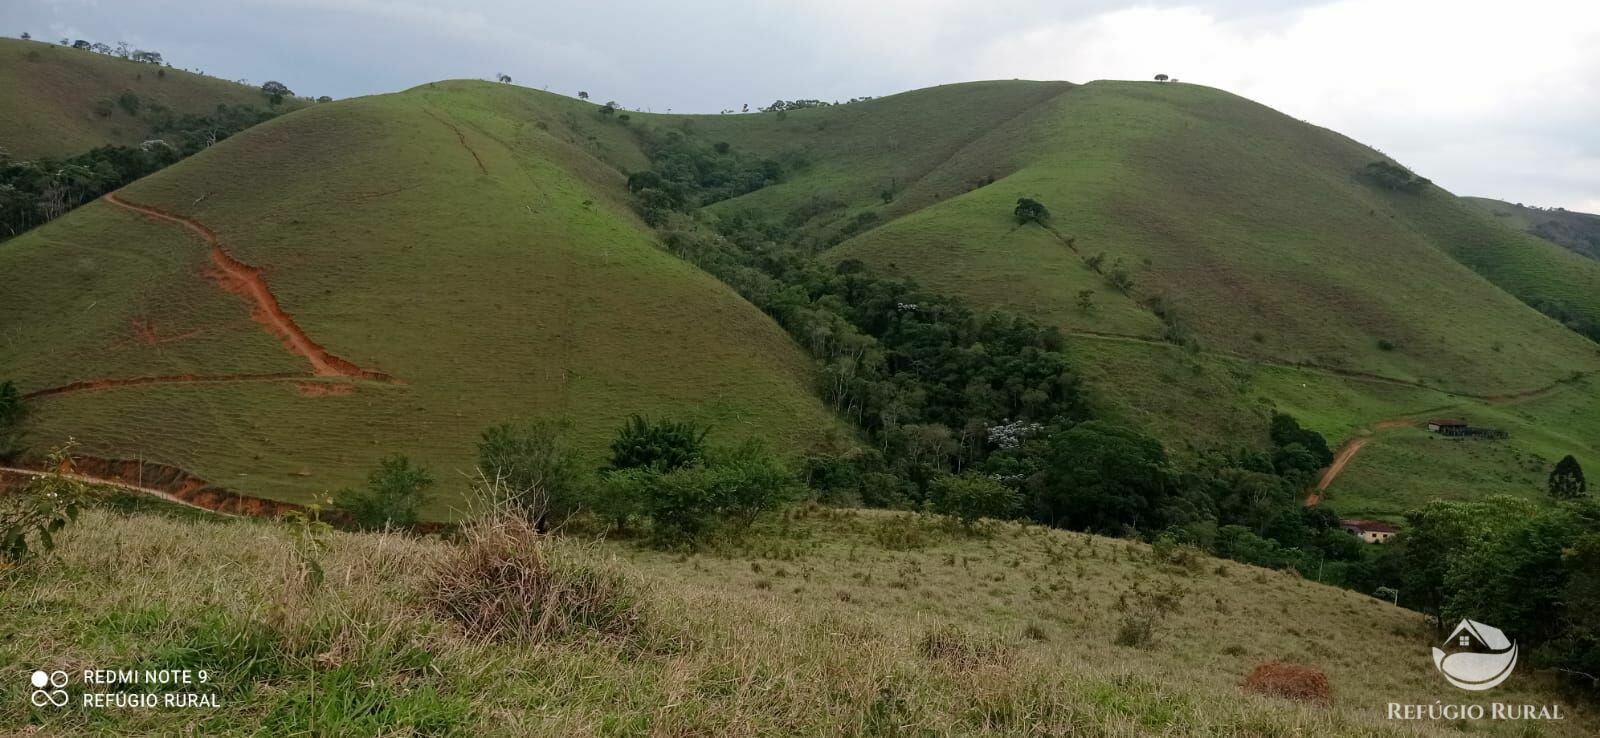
(686, 174)
(1532, 570)
(1392, 176)
(1029, 210)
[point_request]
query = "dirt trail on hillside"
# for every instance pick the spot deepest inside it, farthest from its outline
(461, 137)
(245, 280)
(147, 491)
(1346, 453)
(104, 384)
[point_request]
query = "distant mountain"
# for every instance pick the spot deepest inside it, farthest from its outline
(1574, 230)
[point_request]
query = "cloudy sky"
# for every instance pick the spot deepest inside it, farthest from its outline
(1499, 99)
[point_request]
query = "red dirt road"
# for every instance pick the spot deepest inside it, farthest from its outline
(245, 280)
(1345, 454)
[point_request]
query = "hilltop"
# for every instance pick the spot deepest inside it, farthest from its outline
(823, 622)
(57, 101)
(1574, 230)
(386, 274)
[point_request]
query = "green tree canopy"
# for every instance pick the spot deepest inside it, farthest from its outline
(1566, 480)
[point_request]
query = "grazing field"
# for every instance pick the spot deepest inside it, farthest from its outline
(464, 240)
(1577, 231)
(820, 623)
(58, 101)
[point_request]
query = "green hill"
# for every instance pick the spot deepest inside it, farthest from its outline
(1574, 230)
(58, 101)
(429, 263)
(1267, 268)
(822, 623)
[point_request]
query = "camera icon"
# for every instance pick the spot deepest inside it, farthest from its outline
(48, 689)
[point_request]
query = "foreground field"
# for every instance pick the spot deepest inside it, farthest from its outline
(823, 623)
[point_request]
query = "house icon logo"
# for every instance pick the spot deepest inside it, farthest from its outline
(1481, 656)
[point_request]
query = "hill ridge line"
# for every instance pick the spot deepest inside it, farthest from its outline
(245, 280)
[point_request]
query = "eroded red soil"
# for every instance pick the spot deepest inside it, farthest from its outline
(245, 280)
(105, 384)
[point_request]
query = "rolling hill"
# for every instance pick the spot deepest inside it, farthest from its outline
(57, 101)
(1266, 269)
(1574, 230)
(386, 274)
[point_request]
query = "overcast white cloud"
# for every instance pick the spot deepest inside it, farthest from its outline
(1487, 98)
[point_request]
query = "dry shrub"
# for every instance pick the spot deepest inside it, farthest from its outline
(1292, 681)
(957, 647)
(506, 581)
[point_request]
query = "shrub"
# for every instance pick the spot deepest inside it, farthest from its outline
(534, 468)
(1144, 608)
(662, 445)
(506, 582)
(1391, 176)
(395, 492)
(727, 493)
(968, 497)
(30, 518)
(129, 102)
(1291, 681)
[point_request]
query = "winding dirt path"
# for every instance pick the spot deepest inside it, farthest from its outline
(245, 280)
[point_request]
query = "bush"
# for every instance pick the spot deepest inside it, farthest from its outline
(30, 518)
(1144, 608)
(969, 496)
(395, 492)
(1291, 681)
(129, 102)
(663, 445)
(1391, 176)
(505, 582)
(534, 468)
(686, 504)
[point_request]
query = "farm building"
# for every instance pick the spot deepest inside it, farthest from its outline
(1370, 531)
(1460, 429)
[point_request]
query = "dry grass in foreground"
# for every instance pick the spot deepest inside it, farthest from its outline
(821, 623)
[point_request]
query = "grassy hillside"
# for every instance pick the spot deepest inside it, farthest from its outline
(49, 95)
(1267, 270)
(1577, 231)
(823, 623)
(459, 252)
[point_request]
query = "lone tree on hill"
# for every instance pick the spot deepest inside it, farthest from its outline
(274, 87)
(1566, 481)
(503, 77)
(1162, 78)
(1030, 210)
(583, 95)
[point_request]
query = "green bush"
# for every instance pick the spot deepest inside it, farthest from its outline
(686, 504)
(1029, 210)
(533, 464)
(395, 492)
(969, 496)
(29, 519)
(663, 445)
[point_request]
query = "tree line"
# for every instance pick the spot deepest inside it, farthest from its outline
(34, 192)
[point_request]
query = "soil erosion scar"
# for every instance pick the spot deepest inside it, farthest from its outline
(461, 137)
(245, 280)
